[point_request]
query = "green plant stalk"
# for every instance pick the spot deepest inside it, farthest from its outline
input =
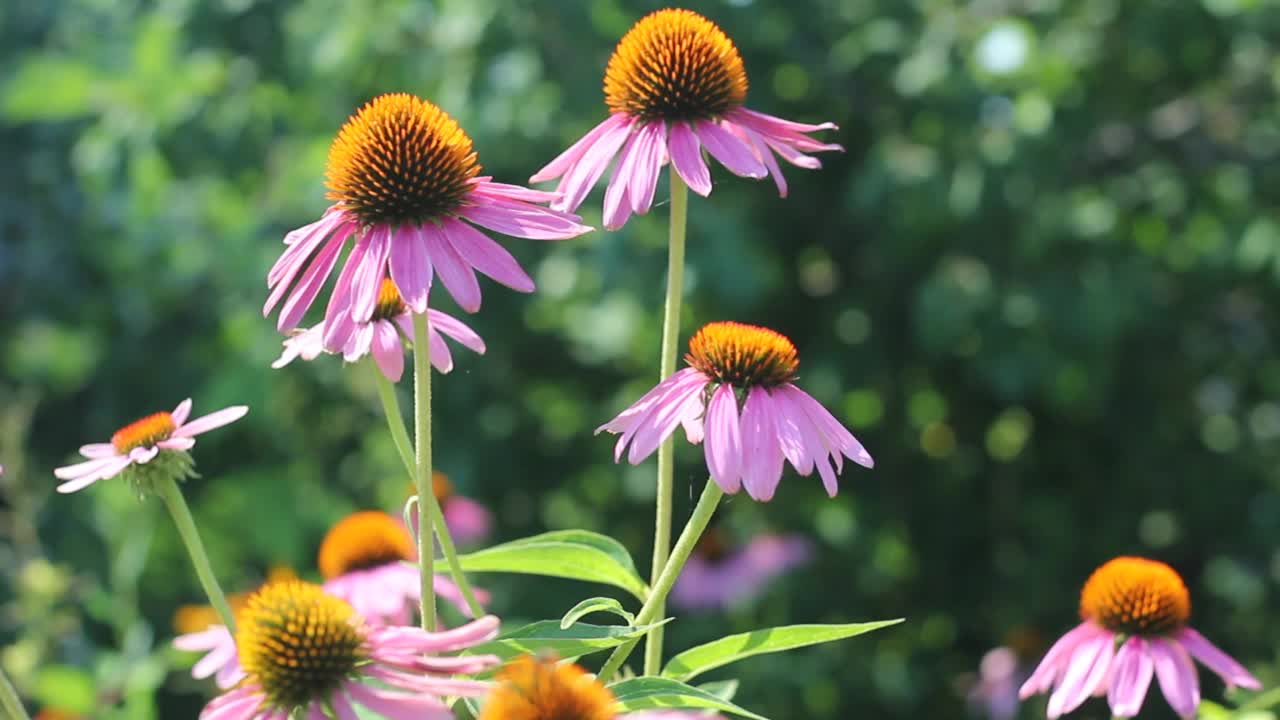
(172, 496)
(652, 609)
(395, 421)
(10, 701)
(667, 366)
(422, 464)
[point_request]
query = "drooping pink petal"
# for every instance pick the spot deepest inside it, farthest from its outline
(484, 186)
(584, 174)
(304, 293)
(458, 277)
(388, 352)
(97, 451)
(411, 266)
(486, 256)
(626, 419)
(177, 443)
(723, 447)
(617, 205)
(212, 420)
(761, 455)
(783, 131)
(729, 149)
(398, 706)
(647, 161)
(441, 355)
(181, 412)
(367, 281)
(87, 468)
(143, 455)
(241, 703)
(1177, 676)
(566, 160)
(301, 245)
(686, 158)
(308, 345)
(1231, 672)
(1131, 678)
(838, 438)
(342, 707)
(1055, 662)
(457, 330)
(315, 712)
(1086, 667)
(666, 416)
(522, 220)
(761, 149)
(444, 641)
(337, 314)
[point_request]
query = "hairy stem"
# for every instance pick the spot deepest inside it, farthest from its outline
(171, 495)
(422, 464)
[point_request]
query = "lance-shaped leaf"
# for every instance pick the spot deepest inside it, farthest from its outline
(655, 693)
(548, 636)
(573, 554)
(595, 604)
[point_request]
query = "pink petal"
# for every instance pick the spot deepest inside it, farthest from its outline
(304, 293)
(666, 414)
(1086, 668)
(1177, 676)
(723, 447)
(338, 311)
(342, 707)
(87, 468)
(1231, 672)
(485, 187)
(777, 131)
(211, 421)
(372, 269)
(566, 160)
(441, 357)
(617, 205)
(388, 352)
(761, 455)
(777, 124)
(584, 174)
(411, 266)
(1131, 678)
(458, 277)
(836, 436)
(143, 455)
(98, 451)
(457, 330)
(301, 244)
(686, 158)
(761, 149)
(360, 342)
(522, 220)
(239, 704)
(181, 413)
(647, 161)
(177, 443)
(487, 256)
(730, 150)
(1056, 660)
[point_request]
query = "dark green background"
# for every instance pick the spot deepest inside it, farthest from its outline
(1043, 294)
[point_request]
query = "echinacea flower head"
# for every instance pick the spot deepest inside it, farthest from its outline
(674, 86)
(146, 450)
(201, 630)
(738, 393)
(539, 688)
(468, 521)
(366, 559)
(1135, 614)
(718, 575)
(381, 336)
(304, 651)
(407, 189)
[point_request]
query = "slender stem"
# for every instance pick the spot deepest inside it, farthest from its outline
(422, 436)
(652, 609)
(177, 505)
(667, 366)
(395, 421)
(9, 700)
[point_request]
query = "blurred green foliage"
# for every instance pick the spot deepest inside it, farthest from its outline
(1041, 285)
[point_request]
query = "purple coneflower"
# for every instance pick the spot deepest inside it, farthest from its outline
(164, 435)
(1135, 615)
(716, 576)
(305, 652)
(675, 85)
(367, 560)
(406, 185)
(380, 336)
(738, 392)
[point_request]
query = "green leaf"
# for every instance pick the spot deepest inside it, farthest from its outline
(595, 604)
(573, 554)
(547, 635)
(723, 689)
(49, 87)
(697, 660)
(66, 688)
(649, 693)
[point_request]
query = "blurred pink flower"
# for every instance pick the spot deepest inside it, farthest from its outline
(738, 391)
(405, 178)
(674, 86)
(715, 577)
(219, 649)
(140, 442)
(1143, 605)
(995, 694)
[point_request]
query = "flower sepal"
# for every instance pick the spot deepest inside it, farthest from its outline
(144, 478)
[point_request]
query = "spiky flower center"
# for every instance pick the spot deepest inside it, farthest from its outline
(145, 432)
(674, 65)
(390, 305)
(532, 688)
(298, 642)
(1136, 596)
(364, 540)
(743, 355)
(400, 159)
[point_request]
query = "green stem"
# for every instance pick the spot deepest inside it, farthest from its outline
(9, 700)
(177, 505)
(422, 464)
(652, 609)
(667, 366)
(395, 421)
